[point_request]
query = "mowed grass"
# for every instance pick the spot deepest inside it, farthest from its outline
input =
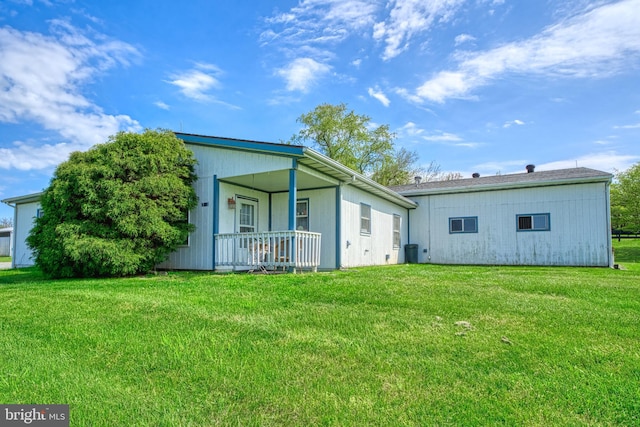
(397, 345)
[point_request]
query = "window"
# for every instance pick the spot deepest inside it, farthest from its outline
(396, 231)
(39, 213)
(365, 219)
(186, 219)
(533, 222)
(468, 224)
(247, 216)
(302, 215)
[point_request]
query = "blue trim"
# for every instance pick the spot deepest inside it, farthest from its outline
(463, 218)
(292, 195)
(270, 147)
(525, 230)
(338, 226)
(216, 218)
(270, 212)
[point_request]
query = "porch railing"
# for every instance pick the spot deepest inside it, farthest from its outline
(271, 250)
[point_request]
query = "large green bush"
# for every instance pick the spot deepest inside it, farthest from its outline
(117, 209)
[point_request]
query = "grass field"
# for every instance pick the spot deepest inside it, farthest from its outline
(398, 345)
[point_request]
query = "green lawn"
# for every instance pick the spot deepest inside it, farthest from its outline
(399, 345)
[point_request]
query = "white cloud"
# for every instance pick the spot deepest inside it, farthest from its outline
(161, 105)
(302, 73)
(463, 38)
(513, 122)
(600, 42)
(443, 137)
(410, 129)
(408, 18)
(633, 126)
(379, 95)
(607, 161)
(195, 83)
(41, 81)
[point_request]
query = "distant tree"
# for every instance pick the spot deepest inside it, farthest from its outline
(625, 200)
(350, 139)
(6, 222)
(117, 209)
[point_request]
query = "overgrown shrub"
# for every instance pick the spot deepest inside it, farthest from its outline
(117, 209)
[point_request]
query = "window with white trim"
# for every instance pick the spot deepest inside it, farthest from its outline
(463, 224)
(302, 215)
(396, 231)
(365, 218)
(533, 222)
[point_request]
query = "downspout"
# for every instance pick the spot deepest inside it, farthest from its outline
(338, 226)
(216, 219)
(610, 255)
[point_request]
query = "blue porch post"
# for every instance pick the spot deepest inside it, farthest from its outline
(215, 218)
(293, 196)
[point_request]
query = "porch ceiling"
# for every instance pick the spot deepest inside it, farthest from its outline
(278, 181)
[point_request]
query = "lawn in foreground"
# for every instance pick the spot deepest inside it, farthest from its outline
(396, 345)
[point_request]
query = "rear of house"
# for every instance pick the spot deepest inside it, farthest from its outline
(556, 217)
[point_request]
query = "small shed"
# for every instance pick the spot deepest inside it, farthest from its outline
(6, 241)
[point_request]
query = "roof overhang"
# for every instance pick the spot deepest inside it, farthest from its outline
(28, 198)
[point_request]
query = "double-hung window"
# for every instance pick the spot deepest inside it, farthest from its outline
(533, 222)
(365, 218)
(396, 231)
(302, 215)
(464, 224)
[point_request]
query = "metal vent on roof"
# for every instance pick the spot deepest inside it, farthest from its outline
(475, 175)
(530, 168)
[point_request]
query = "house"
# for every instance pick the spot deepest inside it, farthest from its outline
(6, 241)
(265, 205)
(26, 208)
(271, 206)
(558, 217)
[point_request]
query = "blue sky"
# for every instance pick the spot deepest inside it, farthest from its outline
(482, 86)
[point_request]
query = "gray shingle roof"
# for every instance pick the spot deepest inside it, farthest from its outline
(498, 182)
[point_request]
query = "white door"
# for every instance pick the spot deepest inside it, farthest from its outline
(246, 215)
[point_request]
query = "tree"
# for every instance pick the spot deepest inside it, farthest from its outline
(625, 200)
(347, 138)
(117, 209)
(6, 222)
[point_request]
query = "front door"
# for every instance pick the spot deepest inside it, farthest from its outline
(246, 215)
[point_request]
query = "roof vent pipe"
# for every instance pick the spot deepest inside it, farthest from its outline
(417, 179)
(475, 175)
(531, 168)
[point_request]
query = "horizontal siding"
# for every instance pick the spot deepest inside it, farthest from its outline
(25, 215)
(227, 163)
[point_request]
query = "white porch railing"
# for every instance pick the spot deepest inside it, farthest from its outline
(271, 250)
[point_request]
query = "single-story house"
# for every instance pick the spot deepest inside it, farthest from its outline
(6, 241)
(557, 217)
(265, 205)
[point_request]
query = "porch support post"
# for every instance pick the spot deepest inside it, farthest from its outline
(293, 196)
(338, 226)
(215, 219)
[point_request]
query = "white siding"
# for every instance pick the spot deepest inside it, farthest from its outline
(322, 219)
(25, 214)
(226, 163)
(359, 249)
(578, 234)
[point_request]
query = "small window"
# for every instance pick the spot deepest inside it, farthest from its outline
(463, 225)
(533, 222)
(186, 219)
(365, 219)
(396, 231)
(302, 215)
(39, 213)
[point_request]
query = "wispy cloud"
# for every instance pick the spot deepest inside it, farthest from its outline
(463, 38)
(442, 137)
(198, 81)
(513, 122)
(608, 161)
(600, 42)
(302, 73)
(161, 105)
(41, 81)
(379, 95)
(409, 18)
(633, 126)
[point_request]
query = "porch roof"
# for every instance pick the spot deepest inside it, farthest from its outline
(22, 199)
(315, 169)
